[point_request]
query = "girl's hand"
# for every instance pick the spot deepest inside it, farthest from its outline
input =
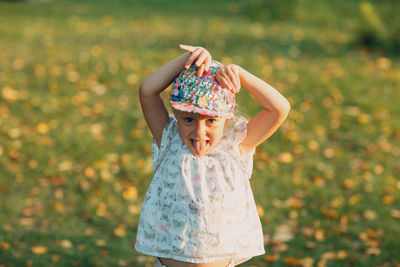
(200, 55)
(229, 78)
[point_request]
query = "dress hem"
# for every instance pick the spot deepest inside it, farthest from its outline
(202, 260)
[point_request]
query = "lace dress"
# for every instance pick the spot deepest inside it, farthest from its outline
(200, 209)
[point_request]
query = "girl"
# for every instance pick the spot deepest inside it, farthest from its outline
(199, 209)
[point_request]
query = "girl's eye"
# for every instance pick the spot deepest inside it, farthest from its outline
(188, 119)
(211, 121)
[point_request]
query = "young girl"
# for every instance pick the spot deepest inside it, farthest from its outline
(199, 209)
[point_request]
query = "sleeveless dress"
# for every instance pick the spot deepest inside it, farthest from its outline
(200, 209)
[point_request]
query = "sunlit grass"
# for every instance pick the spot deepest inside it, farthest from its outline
(75, 153)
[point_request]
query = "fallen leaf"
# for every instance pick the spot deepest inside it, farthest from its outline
(292, 261)
(388, 199)
(373, 251)
(65, 243)
(39, 250)
(130, 193)
(120, 231)
(320, 235)
(395, 213)
(271, 258)
(370, 214)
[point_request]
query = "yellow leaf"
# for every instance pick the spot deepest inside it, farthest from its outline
(294, 203)
(40, 70)
(320, 235)
(130, 193)
(383, 63)
(55, 258)
(14, 133)
(337, 202)
(378, 169)
(120, 231)
(89, 172)
(329, 213)
(363, 118)
(18, 63)
(292, 261)
(58, 206)
(329, 153)
(388, 199)
(42, 128)
(260, 211)
(342, 254)
(105, 175)
(370, 214)
(96, 50)
(134, 209)
(271, 258)
(395, 213)
(318, 181)
(330, 255)
(307, 262)
(100, 164)
(107, 20)
(140, 163)
(285, 157)
(9, 94)
(349, 183)
(373, 251)
(5, 245)
(132, 79)
(354, 199)
(65, 243)
(101, 209)
(100, 242)
(313, 145)
(39, 250)
(81, 27)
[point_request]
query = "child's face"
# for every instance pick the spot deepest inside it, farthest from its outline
(200, 133)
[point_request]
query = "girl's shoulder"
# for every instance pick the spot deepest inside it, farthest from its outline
(230, 145)
(168, 137)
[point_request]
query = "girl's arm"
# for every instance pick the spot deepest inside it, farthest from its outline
(268, 120)
(153, 107)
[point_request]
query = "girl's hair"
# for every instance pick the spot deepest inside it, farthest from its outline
(240, 111)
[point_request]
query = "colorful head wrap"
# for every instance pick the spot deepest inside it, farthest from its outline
(202, 95)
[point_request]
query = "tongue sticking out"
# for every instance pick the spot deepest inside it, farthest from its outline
(200, 146)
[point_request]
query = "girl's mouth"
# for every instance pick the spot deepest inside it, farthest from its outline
(200, 146)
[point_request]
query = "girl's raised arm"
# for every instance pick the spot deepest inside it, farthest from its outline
(153, 107)
(268, 120)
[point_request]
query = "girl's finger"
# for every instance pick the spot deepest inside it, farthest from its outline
(233, 78)
(223, 81)
(200, 60)
(200, 71)
(188, 48)
(236, 71)
(192, 57)
(227, 78)
(207, 63)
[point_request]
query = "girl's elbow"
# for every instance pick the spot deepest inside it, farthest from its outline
(287, 107)
(284, 109)
(144, 89)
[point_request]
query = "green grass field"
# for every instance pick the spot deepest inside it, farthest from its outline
(75, 152)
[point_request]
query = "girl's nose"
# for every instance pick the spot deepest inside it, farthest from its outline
(200, 129)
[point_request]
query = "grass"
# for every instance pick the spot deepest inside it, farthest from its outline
(75, 153)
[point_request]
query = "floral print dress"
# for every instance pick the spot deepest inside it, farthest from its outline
(200, 209)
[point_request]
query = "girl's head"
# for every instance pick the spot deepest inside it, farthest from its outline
(202, 108)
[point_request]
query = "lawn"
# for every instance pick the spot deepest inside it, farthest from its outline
(75, 151)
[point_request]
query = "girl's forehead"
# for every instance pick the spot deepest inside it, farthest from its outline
(193, 115)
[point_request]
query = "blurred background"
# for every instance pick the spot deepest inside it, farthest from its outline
(75, 151)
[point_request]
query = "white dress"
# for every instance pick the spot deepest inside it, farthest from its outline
(200, 209)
